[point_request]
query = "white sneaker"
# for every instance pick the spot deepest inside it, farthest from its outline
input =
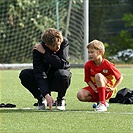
(42, 104)
(45, 102)
(101, 107)
(61, 104)
(107, 105)
(95, 105)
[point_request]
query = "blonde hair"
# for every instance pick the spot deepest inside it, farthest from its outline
(96, 44)
(52, 36)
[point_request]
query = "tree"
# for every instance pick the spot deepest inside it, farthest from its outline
(122, 47)
(21, 25)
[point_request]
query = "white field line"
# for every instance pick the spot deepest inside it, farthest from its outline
(76, 111)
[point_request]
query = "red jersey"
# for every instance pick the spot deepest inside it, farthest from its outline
(106, 68)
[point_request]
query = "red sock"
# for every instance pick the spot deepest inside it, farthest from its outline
(101, 92)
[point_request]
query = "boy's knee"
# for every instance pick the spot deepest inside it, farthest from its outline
(79, 96)
(98, 76)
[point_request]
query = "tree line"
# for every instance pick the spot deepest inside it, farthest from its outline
(109, 21)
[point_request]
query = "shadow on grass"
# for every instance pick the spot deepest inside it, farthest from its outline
(33, 110)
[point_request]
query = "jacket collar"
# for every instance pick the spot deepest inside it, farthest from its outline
(45, 47)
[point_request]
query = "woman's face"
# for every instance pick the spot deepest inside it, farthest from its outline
(56, 46)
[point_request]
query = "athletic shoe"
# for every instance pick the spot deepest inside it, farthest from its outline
(61, 104)
(101, 107)
(107, 105)
(36, 104)
(42, 104)
(95, 105)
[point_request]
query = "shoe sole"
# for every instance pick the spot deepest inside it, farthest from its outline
(41, 108)
(100, 110)
(60, 108)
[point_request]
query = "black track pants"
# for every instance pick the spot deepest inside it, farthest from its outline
(58, 81)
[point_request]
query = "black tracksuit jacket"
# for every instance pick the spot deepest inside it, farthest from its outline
(43, 63)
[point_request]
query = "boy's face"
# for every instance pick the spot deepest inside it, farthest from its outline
(94, 54)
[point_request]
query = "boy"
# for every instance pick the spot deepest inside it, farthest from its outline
(101, 76)
(51, 70)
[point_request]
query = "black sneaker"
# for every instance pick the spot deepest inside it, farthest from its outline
(61, 104)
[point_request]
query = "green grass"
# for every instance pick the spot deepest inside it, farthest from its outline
(79, 117)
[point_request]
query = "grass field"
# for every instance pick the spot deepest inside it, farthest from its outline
(79, 117)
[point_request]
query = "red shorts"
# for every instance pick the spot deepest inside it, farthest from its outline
(95, 96)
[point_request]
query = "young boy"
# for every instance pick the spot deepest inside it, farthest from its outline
(101, 76)
(51, 70)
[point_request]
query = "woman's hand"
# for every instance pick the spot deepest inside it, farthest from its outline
(50, 101)
(39, 48)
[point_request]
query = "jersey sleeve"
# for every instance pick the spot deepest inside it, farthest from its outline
(87, 72)
(114, 71)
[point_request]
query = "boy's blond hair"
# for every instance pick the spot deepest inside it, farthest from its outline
(52, 36)
(96, 44)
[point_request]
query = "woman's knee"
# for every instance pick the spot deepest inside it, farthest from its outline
(22, 74)
(63, 74)
(26, 74)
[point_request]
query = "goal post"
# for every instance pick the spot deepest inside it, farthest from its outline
(86, 28)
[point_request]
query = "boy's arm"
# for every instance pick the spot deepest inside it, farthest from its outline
(117, 83)
(92, 86)
(118, 76)
(87, 76)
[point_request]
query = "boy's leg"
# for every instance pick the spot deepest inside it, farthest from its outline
(101, 82)
(27, 80)
(87, 94)
(101, 87)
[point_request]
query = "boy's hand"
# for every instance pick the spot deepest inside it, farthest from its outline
(110, 89)
(39, 48)
(95, 89)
